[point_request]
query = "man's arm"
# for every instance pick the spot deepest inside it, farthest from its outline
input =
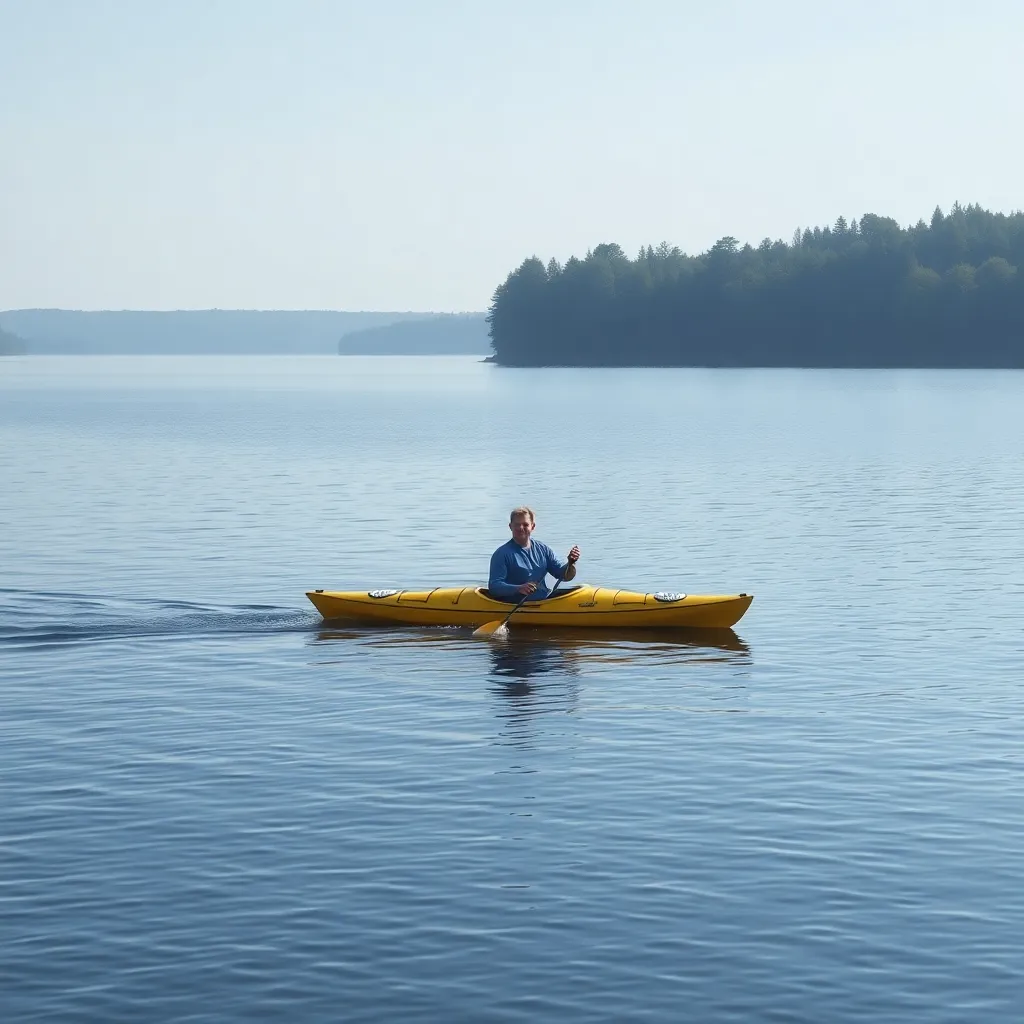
(497, 582)
(563, 570)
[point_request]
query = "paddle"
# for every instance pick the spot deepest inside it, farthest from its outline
(498, 628)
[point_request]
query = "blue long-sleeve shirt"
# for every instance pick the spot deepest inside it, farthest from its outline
(512, 566)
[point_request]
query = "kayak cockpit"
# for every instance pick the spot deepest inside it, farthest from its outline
(561, 592)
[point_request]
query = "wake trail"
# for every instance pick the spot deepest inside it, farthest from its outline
(35, 618)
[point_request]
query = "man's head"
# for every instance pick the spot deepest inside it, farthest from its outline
(521, 522)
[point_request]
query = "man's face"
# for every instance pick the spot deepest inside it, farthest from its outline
(521, 527)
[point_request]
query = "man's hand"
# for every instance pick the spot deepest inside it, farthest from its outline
(570, 565)
(526, 589)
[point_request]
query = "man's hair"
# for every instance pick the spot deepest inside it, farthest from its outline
(522, 510)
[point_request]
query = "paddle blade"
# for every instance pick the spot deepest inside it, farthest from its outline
(496, 628)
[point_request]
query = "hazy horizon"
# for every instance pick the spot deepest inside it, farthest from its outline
(238, 309)
(311, 156)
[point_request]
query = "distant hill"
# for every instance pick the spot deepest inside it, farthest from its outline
(445, 334)
(11, 344)
(192, 332)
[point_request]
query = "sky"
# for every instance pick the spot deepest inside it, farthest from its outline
(406, 156)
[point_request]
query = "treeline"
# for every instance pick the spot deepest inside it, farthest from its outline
(859, 294)
(11, 344)
(443, 334)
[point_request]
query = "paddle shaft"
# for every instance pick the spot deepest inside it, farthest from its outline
(522, 601)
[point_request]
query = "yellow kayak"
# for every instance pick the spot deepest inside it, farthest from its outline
(580, 607)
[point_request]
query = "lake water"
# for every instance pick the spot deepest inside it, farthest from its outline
(215, 808)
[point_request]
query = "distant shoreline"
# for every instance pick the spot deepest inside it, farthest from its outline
(243, 332)
(11, 344)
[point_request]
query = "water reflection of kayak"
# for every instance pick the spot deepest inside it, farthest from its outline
(585, 607)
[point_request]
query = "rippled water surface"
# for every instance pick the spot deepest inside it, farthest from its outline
(213, 806)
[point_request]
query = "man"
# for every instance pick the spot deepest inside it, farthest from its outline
(519, 566)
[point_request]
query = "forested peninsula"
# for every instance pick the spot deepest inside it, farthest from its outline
(442, 334)
(11, 344)
(859, 294)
